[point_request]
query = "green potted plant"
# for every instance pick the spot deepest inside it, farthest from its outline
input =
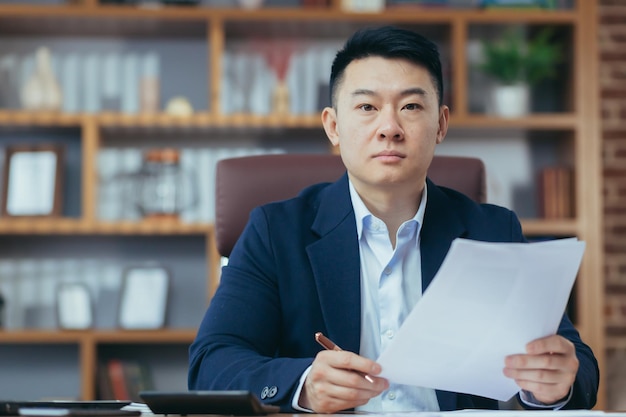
(515, 64)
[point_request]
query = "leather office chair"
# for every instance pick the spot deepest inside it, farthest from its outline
(246, 182)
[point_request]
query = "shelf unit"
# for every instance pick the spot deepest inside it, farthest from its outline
(577, 125)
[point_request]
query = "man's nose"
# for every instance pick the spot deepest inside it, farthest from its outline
(390, 127)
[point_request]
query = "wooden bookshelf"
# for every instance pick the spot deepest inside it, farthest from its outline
(579, 123)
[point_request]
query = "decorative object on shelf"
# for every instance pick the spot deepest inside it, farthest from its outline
(162, 188)
(33, 180)
(515, 64)
(143, 301)
(149, 95)
(179, 106)
(42, 90)
(510, 100)
(280, 98)
(278, 58)
(74, 307)
(149, 84)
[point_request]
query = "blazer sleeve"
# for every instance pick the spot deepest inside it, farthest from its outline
(237, 342)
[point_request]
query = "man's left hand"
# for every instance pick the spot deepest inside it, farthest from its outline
(547, 370)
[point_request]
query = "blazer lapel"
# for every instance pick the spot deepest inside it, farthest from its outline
(441, 226)
(336, 267)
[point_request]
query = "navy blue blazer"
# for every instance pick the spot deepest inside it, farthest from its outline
(295, 271)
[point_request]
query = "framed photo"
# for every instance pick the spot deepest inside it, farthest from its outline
(74, 307)
(143, 301)
(33, 180)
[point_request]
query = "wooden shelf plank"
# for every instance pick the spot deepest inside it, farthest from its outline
(558, 228)
(412, 14)
(162, 336)
(25, 226)
(150, 227)
(113, 336)
(108, 11)
(42, 337)
(46, 119)
(533, 227)
(548, 121)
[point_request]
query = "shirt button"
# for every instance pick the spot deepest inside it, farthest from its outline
(387, 271)
(389, 334)
(391, 396)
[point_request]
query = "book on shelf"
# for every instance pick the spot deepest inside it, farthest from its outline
(556, 193)
(123, 379)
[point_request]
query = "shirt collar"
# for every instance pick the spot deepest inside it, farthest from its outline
(361, 212)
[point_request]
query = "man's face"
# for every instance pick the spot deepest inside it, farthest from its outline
(386, 122)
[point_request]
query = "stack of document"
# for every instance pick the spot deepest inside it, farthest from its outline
(487, 301)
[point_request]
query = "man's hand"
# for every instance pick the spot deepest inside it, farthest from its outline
(547, 370)
(337, 382)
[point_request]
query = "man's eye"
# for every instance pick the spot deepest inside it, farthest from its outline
(413, 106)
(366, 107)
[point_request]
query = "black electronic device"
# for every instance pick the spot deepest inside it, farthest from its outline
(206, 402)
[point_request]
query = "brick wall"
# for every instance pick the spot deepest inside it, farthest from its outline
(612, 43)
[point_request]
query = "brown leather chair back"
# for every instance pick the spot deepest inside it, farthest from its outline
(247, 182)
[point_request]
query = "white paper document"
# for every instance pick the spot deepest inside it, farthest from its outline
(487, 301)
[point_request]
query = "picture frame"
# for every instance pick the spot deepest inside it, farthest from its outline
(143, 298)
(74, 306)
(33, 181)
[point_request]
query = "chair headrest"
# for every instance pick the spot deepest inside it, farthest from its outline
(247, 182)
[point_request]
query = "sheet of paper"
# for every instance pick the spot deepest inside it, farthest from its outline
(487, 301)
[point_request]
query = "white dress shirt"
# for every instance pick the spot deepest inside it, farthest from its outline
(391, 284)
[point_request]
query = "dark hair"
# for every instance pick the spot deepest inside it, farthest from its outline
(388, 42)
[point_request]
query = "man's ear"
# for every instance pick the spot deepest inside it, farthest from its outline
(329, 120)
(444, 117)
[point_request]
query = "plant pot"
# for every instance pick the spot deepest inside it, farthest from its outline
(510, 100)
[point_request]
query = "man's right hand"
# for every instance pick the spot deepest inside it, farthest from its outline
(337, 382)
